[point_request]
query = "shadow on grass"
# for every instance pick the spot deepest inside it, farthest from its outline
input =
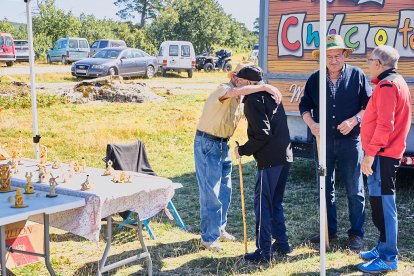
(330, 271)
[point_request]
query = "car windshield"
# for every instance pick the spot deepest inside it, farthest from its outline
(21, 43)
(109, 53)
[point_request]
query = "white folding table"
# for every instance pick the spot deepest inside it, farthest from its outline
(37, 204)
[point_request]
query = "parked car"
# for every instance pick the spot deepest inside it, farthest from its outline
(209, 63)
(68, 49)
(126, 62)
(7, 50)
(22, 50)
(105, 43)
(178, 56)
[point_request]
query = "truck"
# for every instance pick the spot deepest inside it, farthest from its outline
(289, 32)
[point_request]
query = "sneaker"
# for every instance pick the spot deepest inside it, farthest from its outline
(316, 239)
(214, 246)
(355, 243)
(257, 257)
(281, 248)
(377, 266)
(225, 236)
(369, 255)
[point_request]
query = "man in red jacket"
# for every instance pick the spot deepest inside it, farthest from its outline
(384, 131)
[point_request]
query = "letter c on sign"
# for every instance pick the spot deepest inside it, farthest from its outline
(285, 41)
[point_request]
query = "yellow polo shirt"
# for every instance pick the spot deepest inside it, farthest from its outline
(220, 118)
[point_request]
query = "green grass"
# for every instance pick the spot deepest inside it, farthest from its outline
(72, 131)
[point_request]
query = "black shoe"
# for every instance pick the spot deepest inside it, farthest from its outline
(316, 239)
(281, 248)
(257, 257)
(355, 243)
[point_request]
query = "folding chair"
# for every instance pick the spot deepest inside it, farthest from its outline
(133, 157)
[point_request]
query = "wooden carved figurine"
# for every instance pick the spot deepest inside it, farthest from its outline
(53, 184)
(5, 176)
(18, 201)
(65, 177)
(15, 159)
(109, 170)
(29, 189)
(56, 165)
(43, 155)
(83, 165)
(87, 185)
(76, 166)
(122, 177)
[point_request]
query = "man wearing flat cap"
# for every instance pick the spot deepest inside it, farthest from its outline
(269, 143)
(221, 114)
(348, 93)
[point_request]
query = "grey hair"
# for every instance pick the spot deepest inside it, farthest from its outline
(387, 55)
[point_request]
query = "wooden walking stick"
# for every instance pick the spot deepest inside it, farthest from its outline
(326, 214)
(242, 203)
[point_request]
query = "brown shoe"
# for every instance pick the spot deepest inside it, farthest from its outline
(355, 243)
(316, 239)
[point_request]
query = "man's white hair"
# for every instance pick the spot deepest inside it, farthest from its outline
(387, 55)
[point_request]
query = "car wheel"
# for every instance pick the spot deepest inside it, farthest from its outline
(112, 71)
(190, 73)
(64, 60)
(9, 63)
(49, 60)
(227, 67)
(208, 67)
(164, 72)
(150, 72)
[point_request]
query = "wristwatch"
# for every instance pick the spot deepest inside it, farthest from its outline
(358, 118)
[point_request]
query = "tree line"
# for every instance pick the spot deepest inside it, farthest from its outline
(202, 22)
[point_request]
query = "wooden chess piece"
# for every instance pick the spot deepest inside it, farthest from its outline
(53, 184)
(29, 189)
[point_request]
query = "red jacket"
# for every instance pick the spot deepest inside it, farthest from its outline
(387, 118)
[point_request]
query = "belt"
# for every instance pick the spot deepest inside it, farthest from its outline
(212, 137)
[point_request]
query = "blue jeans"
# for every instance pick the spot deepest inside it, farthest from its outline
(213, 171)
(268, 206)
(381, 187)
(345, 155)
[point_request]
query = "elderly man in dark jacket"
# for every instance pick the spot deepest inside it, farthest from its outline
(269, 143)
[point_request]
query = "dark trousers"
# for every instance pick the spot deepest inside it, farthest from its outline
(268, 199)
(345, 155)
(381, 187)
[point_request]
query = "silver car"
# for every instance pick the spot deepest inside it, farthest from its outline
(126, 62)
(22, 50)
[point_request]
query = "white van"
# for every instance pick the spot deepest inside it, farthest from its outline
(178, 56)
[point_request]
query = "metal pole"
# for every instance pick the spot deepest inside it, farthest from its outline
(32, 78)
(322, 122)
(3, 249)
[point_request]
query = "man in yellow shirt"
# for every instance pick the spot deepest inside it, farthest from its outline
(221, 113)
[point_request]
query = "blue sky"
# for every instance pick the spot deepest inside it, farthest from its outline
(244, 11)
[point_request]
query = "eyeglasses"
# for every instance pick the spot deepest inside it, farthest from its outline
(372, 59)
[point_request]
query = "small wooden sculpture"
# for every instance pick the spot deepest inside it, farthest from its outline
(109, 170)
(5, 176)
(53, 184)
(87, 185)
(56, 165)
(43, 155)
(15, 159)
(76, 166)
(4, 155)
(44, 176)
(29, 189)
(65, 177)
(83, 165)
(122, 177)
(18, 200)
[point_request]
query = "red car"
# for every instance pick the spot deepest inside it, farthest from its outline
(7, 50)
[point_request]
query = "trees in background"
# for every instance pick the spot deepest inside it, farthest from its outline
(204, 23)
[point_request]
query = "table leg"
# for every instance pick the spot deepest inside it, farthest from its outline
(3, 249)
(46, 240)
(108, 245)
(144, 247)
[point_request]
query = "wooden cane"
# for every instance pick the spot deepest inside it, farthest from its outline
(242, 203)
(326, 214)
